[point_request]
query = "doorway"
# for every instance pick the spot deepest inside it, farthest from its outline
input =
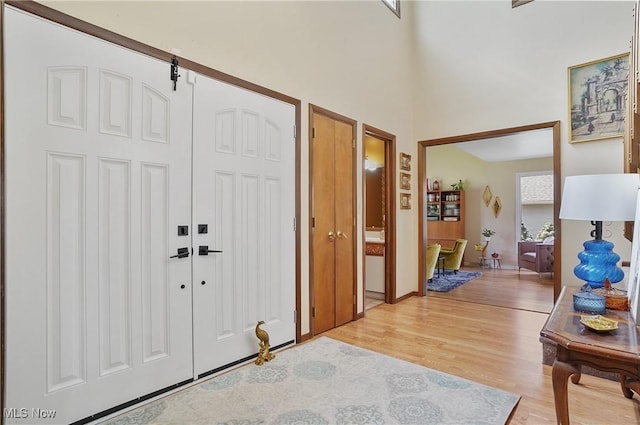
(332, 221)
(554, 126)
(379, 215)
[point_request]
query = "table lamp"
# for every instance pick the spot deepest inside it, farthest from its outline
(598, 198)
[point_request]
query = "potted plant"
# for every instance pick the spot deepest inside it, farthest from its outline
(487, 233)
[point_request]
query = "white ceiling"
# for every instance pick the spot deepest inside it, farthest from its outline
(524, 145)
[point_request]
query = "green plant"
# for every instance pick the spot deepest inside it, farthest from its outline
(458, 186)
(545, 231)
(524, 233)
(487, 233)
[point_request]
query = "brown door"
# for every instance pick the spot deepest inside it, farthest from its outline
(333, 223)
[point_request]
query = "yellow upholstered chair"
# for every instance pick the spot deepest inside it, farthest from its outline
(433, 252)
(453, 256)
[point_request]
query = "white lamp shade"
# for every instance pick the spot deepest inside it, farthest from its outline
(600, 197)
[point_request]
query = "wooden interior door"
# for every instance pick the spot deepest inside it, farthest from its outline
(344, 222)
(333, 302)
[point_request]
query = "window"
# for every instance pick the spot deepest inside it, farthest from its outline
(394, 5)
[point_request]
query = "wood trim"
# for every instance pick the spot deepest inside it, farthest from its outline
(422, 233)
(404, 297)
(3, 223)
(557, 191)
(314, 109)
(390, 211)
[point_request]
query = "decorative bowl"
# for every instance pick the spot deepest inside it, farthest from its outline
(495, 255)
(587, 302)
(599, 323)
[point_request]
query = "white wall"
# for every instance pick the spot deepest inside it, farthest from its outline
(485, 66)
(351, 57)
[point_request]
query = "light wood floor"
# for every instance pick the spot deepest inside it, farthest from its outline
(496, 346)
(525, 290)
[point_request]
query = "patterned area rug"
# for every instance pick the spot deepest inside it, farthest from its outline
(329, 382)
(448, 281)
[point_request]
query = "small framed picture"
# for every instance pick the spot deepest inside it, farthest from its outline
(405, 181)
(405, 201)
(405, 161)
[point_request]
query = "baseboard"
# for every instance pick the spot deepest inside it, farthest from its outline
(404, 297)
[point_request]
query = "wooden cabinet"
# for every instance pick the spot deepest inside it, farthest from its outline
(445, 217)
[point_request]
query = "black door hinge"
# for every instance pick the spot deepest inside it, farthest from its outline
(174, 72)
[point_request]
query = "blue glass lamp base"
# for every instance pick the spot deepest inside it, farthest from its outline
(598, 262)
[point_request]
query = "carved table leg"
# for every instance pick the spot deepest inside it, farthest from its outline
(560, 376)
(628, 384)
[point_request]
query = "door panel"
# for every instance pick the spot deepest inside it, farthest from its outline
(333, 256)
(324, 292)
(98, 177)
(244, 169)
(345, 223)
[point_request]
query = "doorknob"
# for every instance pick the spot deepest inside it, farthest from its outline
(342, 235)
(332, 236)
(182, 253)
(204, 250)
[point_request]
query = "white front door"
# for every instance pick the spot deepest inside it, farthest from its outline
(244, 191)
(98, 179)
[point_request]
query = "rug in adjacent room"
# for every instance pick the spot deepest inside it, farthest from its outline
(326, 381)
(450, 280)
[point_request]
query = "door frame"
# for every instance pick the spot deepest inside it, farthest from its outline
(314, 109)
(68, 21)
(557, 194)
(389, 211)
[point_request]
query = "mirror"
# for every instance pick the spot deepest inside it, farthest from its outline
(374, 168)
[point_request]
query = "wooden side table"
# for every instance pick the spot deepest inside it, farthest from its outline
(614, 351)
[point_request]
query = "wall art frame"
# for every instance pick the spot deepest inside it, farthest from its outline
(516, 3)
(497, 206)
(598, 104)
(405, 161)
(487, 195)
(405, 181)
(405, 201)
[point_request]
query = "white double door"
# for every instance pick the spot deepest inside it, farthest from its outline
(104, 163)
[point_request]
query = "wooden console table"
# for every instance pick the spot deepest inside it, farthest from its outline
(614, 351)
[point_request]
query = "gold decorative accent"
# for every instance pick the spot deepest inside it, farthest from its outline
(497, 206)
(264, 355)
(487, 195)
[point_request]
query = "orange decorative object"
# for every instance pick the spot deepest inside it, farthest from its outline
(615, 299)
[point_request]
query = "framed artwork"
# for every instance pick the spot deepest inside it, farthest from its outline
(633, 284)
(405, 181)
(497, 206)
(405, 201)
(487, 195)
(598, 99)
(405, 161)
(516, 3)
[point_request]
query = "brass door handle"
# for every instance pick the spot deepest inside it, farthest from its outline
(342, 235)
(332, 236)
